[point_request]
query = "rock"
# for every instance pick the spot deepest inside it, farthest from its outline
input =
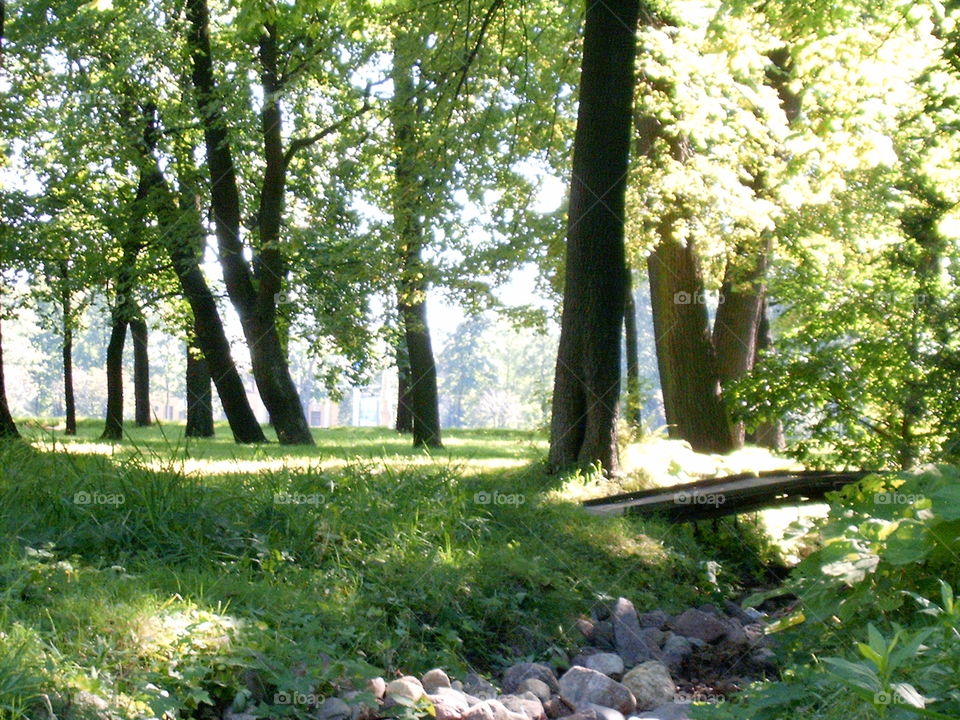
(735, 634)
(711, 609)
(738, 613)
(360, 708)
(526, 704)
(434, 679)
(407, 688)
(755, 633)
(501, 711)
(609, 664)
(676, 649)
(581, 686)
(586, 628)
(667, 711)
(333, 708)
(650, 684)
(655, 619)
(555, 707)
(377, 686)
(585, 714)
(605, 713)
(480, 711)
(538, 688)
(630, 643)
(653, 637)
(457, 685)
(475, 685)
(516, 674)
(700, 625)
(603, 636)
(449, 704)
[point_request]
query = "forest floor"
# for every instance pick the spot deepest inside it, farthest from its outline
(160, 573)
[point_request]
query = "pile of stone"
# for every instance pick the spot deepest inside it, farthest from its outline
(647, 666)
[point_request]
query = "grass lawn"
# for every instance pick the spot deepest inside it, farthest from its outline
(161, 574)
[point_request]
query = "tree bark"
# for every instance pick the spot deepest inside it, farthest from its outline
(255, 304)
(69, 401)
(587, 381)
(404, 401)
(408, 215)
(113, 428)
(8, 428)
(199, 394)
(769, 434)
(686, 360)
(738, 318)
(632, 343)
(141, 371)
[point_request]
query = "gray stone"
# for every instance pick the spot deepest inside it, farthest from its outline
(738, 613)
(631, 645)
(501, 711)
(538, 688)
(653, 637)
(700, 625)
(581, 686)
(516, 674)
(650, 684)
(586, 628)
(407, 688)
(676, 649)
(475, 685)
(711, 609)
(457, 685)
(333, 708)
(655, 618)
(480, 711)
(609, 664)
(605, 713)
(434, 679)
(764, 659)
(735, 634)
(667, 711)
(603, 637)
(755, 633)
(526, 704)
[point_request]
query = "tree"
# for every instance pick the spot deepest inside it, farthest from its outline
(587, 386)
(253, 292)
(199, 395)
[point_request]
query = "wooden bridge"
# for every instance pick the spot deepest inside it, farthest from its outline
(716, 497)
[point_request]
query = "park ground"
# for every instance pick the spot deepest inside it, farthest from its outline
(160, 572)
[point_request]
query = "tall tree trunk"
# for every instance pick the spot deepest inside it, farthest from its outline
(738, 318)
(632, 343)
(113, 428)
(587, 382)
(69, 402)
(255, 304)
(183, 236)
(407, 213)
(141, 371)
(8, 428)
(199, 393)
(769, 434)
(404, 400)
(685, 356)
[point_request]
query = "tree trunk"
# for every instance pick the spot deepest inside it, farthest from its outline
(689, 378)
(404, 400)
(113, 428)
(738, 318)
(183, 236)
(8, 428)
(632, 342)
(769, 434)
(199, 394)
(256, 305)
(587, 382)
(141, 371)
(407, 220)
(69, 401)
